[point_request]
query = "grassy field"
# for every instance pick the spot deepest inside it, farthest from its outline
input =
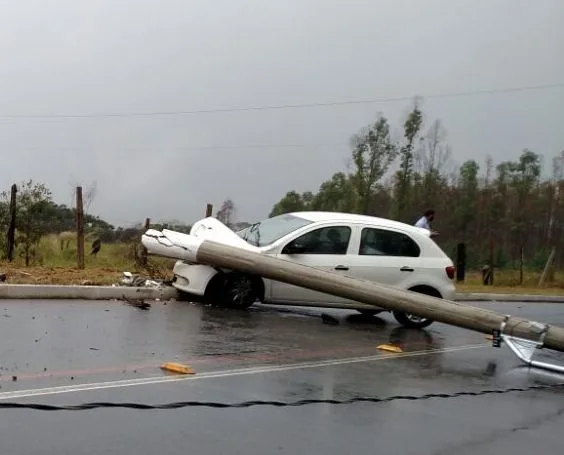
(58, 266)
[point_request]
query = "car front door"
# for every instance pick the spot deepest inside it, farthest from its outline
(386, 256)
(326, 248)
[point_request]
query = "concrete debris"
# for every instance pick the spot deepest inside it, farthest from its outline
(129, 279)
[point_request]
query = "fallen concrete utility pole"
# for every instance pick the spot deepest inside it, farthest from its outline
(202, 251)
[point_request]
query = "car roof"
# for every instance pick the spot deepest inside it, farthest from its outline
(315, 216)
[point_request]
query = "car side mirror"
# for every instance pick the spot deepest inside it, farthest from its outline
(293, 248)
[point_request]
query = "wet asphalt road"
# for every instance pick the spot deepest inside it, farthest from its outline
(61, 352)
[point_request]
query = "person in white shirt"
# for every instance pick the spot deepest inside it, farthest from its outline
(425, 221)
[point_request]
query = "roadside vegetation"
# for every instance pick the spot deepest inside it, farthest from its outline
(509, 215)
(58, 266)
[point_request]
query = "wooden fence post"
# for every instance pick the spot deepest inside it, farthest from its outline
(143, 254)
(521, 265)
(12, 227)
(492, 265)
(79, 228)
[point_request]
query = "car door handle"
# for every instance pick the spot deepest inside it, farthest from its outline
(406, 269)
(341, 267)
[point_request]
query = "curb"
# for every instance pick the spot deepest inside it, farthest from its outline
(486, 297)
(51, 291)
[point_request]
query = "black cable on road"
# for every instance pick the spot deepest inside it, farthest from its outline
(279, 404)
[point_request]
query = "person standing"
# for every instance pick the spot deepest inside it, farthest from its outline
(426, 220)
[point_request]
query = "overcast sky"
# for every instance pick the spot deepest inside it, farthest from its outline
(69, 57)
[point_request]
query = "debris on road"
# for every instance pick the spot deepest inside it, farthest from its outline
(327, 319)
(129, 279)
(139, 303)
(177, 368)
(389, 348)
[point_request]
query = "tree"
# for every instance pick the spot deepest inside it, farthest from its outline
(506, 206)
(524, 175)
(335, 195)
(291, 202)
(404, 177)
(465, 210)
(373, 152)
(34, 215)
(435, 152)
(226, 213)
(432, 157)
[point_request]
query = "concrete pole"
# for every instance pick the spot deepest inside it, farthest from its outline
(197, 250)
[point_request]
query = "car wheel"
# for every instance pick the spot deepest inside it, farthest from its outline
(238, 290)
(411, 320)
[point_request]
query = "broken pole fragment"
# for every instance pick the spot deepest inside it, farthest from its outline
(198, 250)
(177, 368)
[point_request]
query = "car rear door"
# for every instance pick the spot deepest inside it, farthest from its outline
(329, 247)
(386, 256)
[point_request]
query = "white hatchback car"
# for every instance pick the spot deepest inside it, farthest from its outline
(364, 247)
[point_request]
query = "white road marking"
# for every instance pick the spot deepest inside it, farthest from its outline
(223, 373)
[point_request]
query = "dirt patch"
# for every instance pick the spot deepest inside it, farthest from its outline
(61, 275)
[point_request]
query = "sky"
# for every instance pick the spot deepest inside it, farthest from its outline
(118, 93)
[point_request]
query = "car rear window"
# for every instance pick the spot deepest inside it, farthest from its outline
(383, 242)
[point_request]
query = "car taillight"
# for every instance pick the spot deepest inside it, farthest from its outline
(450, 271)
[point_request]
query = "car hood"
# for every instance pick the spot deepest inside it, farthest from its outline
(214, 230)
(177, 245)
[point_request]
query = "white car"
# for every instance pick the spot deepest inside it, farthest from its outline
(364, 247)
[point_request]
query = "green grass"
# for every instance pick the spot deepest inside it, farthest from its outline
(508, 281)
(56, 265)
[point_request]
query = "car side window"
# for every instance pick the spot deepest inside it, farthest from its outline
(325, 240)
(382, 242)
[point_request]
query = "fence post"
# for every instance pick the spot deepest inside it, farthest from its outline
(12, 226)
(143, 253)
(521, 265)
(492, 267)
(209, 210)
(79, 228)
(460, 262)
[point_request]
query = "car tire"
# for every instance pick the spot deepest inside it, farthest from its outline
(411, 321)
(235, 290)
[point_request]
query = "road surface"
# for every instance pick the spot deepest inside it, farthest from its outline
(73, 352)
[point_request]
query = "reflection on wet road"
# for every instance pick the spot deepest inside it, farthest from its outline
(73, 352)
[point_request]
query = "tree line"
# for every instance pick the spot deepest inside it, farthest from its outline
(504, 208)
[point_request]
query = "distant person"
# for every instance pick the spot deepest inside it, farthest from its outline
(426, 220)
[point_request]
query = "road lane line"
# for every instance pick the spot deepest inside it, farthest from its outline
(258, 356)
(225, 373)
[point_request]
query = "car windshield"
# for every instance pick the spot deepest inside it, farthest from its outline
(268, 231)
